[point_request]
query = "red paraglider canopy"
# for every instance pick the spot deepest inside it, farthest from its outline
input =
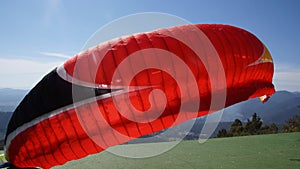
(134, 86)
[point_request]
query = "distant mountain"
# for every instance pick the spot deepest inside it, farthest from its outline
(183, 131)
(280, 107)
(10, 98)
(4, 119)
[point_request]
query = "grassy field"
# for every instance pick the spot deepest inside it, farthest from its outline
(249, 152)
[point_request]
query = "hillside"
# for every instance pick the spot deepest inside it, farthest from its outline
(275, 151)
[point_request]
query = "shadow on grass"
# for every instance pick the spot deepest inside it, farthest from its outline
(295, 159)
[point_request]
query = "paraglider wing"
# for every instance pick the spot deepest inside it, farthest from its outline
(133, 86)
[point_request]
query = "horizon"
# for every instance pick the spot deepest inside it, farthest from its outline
(25, 89)
(36, 40)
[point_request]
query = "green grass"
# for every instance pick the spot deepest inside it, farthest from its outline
(250, 152)
(2, 159)
(260, 152)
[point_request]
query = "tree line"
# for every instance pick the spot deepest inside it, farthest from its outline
(254, 126)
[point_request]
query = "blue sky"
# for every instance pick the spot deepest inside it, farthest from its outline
(37, 36)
